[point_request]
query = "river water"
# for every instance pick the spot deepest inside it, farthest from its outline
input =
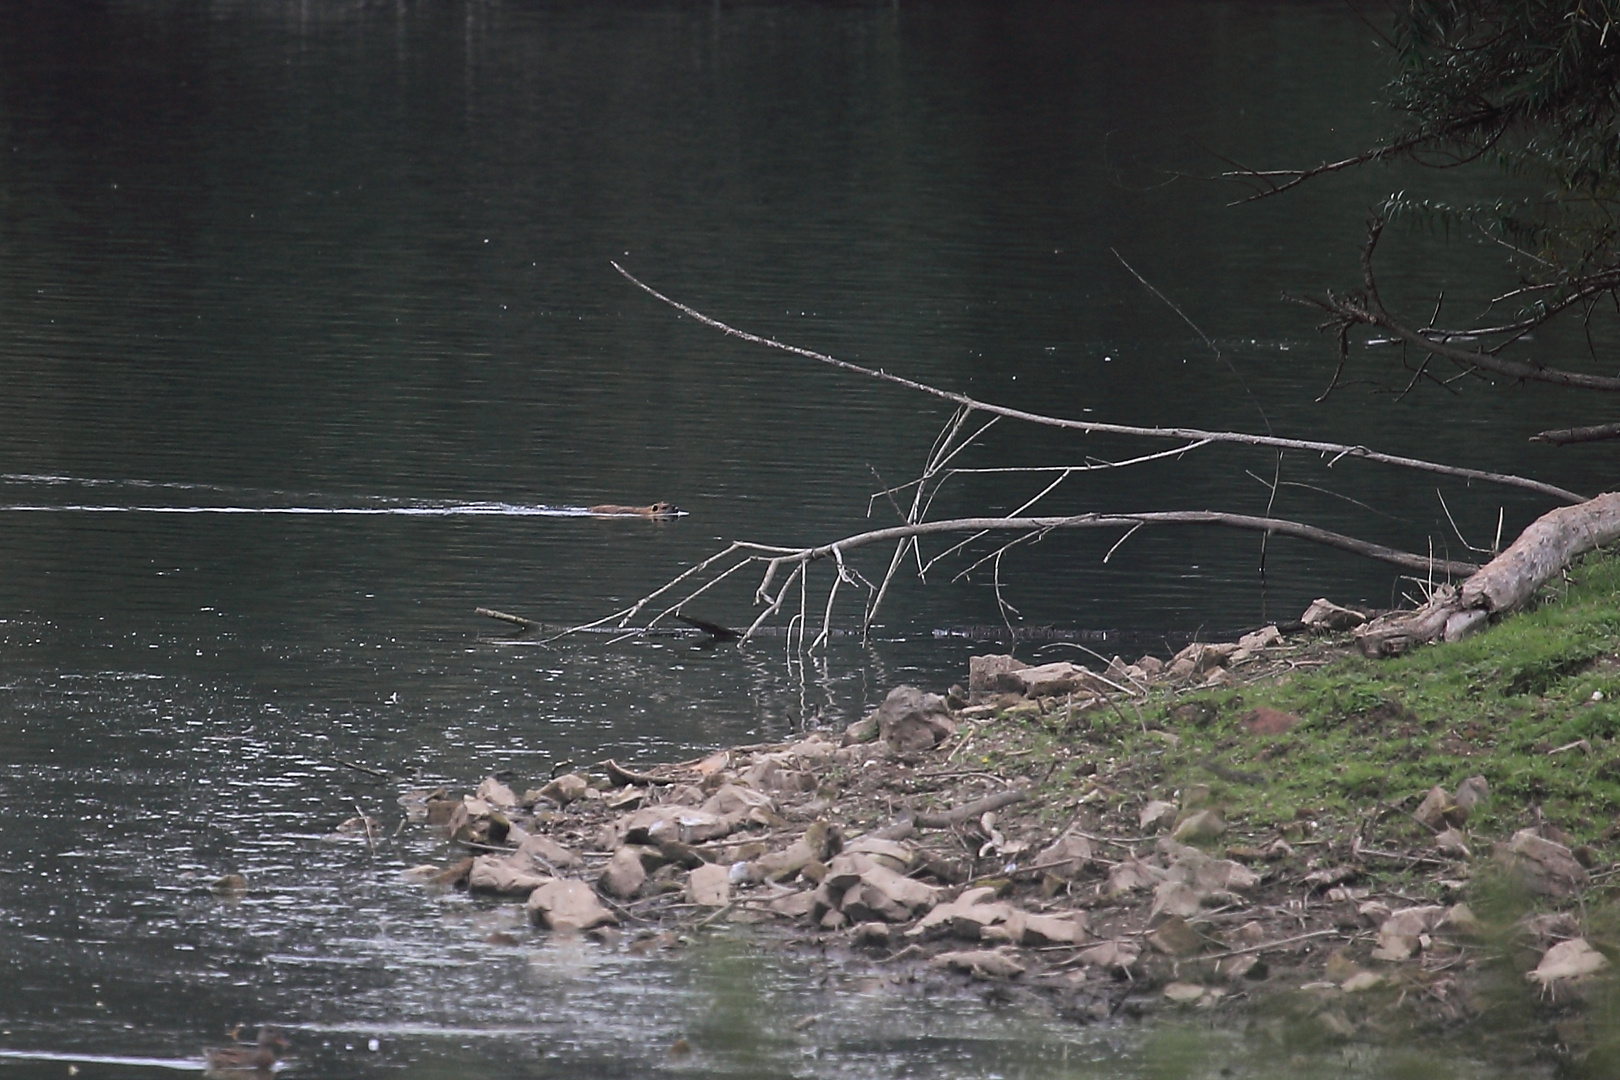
(309, 343)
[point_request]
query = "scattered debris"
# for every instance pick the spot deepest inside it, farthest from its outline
(912, 837)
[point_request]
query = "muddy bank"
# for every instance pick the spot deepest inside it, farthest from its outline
(1007, 838)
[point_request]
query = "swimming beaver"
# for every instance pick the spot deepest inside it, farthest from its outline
(656, 510)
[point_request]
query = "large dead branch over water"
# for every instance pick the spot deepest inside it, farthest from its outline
(1336, 451)
(774, 593)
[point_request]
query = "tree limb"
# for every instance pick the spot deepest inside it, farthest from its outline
(1336, 450)
(1566, 436)
(1279, 526)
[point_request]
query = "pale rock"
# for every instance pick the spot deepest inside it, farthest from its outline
(861, 731)
(686, 824)
(1247, 965)
(567, 788)
(1035, 931)
(1431, 812)
(866, 903)
(1460, 919)
(709, 886)
(1250, 933)
(1066, 856)
(714, 764)
(544, 853)
(871, 934)
(1360, 981)
(1394, 947)
(1174, 898)
(1543, 866)
(1373, 912)
(624, 874)
(1133, 875)
(910, 720)
(938, 921)
(684, 795)
(1174, 937)
(813, 748)
(1263, 638)
(890, 853)
(980, 963)
(1156, 815)
(1183, 993)
(1220, 677)
(1451, 842)
(1324, 614)
(1568, 961)
(1222, 875)
(1200, 657)
(503, 876)
(1472, 793)
(846, 869)
(1056, 680)
(1413, 921)
(1118, 956)
(496, 793)
(1200, 825)
(1152, 665)
(794, 781)
(906, 894)
(568, 905)
(735, 801)
(986, 674)
(795, 905)
(1127, 674)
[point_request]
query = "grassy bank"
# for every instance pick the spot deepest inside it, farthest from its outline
(1532, 704)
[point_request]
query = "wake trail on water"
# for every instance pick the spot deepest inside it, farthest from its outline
(263, 501)
(444, 510)
(179, 1064)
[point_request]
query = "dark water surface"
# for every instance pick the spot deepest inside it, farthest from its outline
(307, 324)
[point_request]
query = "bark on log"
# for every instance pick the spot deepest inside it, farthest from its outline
(1505, 583)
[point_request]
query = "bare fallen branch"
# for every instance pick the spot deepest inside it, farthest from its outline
(967, 811)
(1279, 526)
(1334, 450)
(1566, 436)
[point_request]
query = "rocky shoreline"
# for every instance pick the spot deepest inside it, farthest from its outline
(987, 837)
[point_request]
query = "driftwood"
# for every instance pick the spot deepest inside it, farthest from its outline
(1503, 584)
(910, 821)
(623, 777)
(948, 818)
(515, 620)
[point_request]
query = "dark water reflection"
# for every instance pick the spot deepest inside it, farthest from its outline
(353, 256)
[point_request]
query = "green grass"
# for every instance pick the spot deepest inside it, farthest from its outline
(1387, 730)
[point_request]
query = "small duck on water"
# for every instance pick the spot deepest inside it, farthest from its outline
(249, 1059)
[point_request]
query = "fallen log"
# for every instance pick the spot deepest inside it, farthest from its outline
(1507, 582)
